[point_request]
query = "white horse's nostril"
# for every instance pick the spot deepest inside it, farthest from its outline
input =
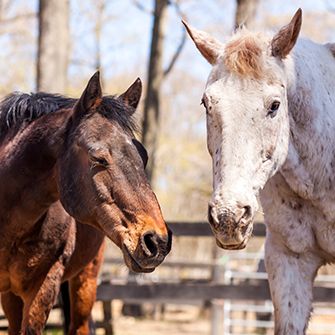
(247, 213)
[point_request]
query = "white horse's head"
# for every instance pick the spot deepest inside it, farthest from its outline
(247, 122)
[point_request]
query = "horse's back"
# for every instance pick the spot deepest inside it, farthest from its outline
(315, 63)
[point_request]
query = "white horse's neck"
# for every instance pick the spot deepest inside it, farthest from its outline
(309, 168)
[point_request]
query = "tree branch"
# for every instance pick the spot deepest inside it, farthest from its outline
(182, 41)
(18, 17)
(139, 6)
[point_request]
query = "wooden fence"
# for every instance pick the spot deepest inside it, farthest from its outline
(192, 291)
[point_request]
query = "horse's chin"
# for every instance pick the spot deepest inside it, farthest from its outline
(232, 246)
(134, 267)
(237, 240)
(133, 264)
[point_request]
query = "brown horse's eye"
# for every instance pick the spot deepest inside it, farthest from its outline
(272, 112)
(99, 161)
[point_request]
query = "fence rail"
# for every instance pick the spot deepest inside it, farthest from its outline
(202, 229)
(196, 291)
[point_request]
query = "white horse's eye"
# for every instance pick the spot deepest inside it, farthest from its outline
(272, 112)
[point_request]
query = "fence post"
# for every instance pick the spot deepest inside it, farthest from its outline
(108, 325)
(217, 316)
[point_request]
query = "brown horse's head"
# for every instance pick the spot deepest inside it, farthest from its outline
(102, 179)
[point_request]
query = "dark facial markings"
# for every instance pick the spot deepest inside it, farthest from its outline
(203, 102)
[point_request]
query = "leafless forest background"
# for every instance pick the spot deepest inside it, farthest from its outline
(56, 45)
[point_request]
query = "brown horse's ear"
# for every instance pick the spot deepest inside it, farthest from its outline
(92, 95)
(133, 94)
(284, 41)
(208, 46)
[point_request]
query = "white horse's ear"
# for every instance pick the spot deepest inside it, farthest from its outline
(209, 47)
(284, 41)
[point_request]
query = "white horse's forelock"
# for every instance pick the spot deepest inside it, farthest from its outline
(244, 54)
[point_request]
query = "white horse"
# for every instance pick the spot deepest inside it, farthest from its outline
(270, 108)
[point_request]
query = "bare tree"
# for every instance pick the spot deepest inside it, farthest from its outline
(53, 45)
(151, 113)
(52, 64)
(245, 12)
(156, 75)
(98, 26)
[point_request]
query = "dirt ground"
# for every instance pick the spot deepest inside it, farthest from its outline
(167, 327)
(176, 321)
(181, 320)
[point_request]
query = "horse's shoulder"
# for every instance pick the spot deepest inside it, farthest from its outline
(286, 214)
(299, 223)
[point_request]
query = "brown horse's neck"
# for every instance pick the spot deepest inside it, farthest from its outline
(28, 171)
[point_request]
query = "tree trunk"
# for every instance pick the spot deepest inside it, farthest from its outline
(151, 117)
(99, 22)
(52, 63)
(151, 114)
(53, 45)
(245, 13)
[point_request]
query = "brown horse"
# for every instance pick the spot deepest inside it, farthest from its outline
(82, 155)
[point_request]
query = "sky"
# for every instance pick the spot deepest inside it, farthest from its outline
(126, 33)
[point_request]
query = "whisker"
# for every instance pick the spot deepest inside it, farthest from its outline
(260, 212)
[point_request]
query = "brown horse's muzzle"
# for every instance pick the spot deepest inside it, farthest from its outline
(150, 251)
(231, 227)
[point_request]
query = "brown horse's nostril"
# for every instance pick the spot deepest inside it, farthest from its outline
(150, 244)
(169, 242)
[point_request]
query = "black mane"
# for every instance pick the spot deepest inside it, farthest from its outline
(20, 109)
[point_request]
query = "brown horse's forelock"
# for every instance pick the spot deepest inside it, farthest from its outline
(115, 110)
(20, 109)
